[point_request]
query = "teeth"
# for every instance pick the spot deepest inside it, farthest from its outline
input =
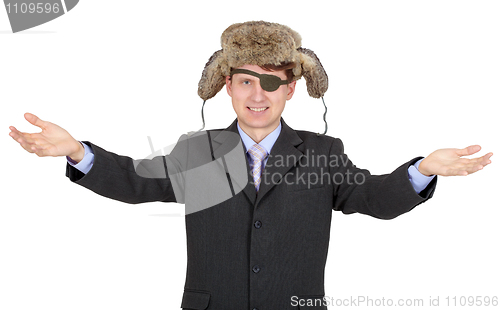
(257, 109)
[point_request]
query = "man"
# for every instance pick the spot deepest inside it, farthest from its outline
(261, 243)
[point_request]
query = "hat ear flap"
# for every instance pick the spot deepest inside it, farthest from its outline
(313, 72)
(212, 79)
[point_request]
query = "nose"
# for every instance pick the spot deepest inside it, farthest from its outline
(258, 94)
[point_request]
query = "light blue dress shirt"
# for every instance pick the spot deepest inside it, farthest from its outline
(417, 179)
(267, 143)
(86, 163)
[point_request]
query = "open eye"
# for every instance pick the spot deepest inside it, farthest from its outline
(246, 82)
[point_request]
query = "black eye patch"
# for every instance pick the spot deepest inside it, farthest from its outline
(268, 82)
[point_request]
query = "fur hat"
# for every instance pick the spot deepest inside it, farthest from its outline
(261, 43)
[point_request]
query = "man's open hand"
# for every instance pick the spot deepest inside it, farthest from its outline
(51, 141)
(449, 162)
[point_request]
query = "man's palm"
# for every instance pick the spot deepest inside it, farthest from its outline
(51, 141)
(449, 162)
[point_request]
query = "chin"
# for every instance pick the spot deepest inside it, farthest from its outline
(260, 124)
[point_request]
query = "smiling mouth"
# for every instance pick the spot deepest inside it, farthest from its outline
(257, 109)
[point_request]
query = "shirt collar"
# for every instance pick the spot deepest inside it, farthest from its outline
(267, 143)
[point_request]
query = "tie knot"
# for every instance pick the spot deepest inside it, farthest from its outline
(257, 153)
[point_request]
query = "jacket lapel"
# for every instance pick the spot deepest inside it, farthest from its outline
(284, 155)
(223, 142)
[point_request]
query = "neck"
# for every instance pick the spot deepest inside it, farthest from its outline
(257, 134)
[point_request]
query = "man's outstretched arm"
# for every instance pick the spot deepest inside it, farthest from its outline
(115, 176)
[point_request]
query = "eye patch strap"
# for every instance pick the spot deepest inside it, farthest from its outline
(268, 82)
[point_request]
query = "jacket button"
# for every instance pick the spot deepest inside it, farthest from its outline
(256, 269)
(257, 224)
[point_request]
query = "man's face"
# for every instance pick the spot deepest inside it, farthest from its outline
(258, 111)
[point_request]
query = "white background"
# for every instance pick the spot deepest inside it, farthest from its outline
(406, 78)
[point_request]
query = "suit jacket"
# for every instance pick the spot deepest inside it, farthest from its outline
(258, 251)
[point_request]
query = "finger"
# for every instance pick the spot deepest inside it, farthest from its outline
(462, 171)
(34, 120)
(472, 168)
(17, 135)
(14, 133)
(456, 171)
(13, 130)
(28, 141)
(31, 138)
(469, 150)
(465, 166)
(27, 146)
(23, 137)
(485, 160)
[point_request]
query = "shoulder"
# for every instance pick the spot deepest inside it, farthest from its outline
(321, 142)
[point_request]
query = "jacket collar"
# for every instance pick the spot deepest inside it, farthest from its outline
(276, 167)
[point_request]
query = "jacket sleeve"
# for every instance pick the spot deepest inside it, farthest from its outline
(121, 178)
(382, 196)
